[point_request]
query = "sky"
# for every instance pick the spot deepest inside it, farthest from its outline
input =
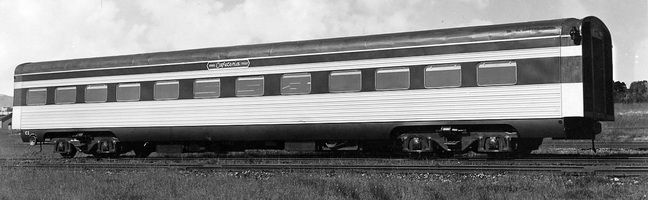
(36, 30)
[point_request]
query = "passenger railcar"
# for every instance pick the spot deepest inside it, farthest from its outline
(488, 89)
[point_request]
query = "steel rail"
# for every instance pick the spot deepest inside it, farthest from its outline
(562, 160)
(552, 169)
(532, 158)
(101, 165)
(588, 144)
(551, 143)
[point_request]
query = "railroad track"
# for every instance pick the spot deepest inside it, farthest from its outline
(551, 169)
(579, 144)
(533, 158)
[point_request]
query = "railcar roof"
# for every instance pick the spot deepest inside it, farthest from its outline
(392, 40)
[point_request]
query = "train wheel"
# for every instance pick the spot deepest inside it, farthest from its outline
(33, 140)
(105, 155)
(446, 154)
(504, 155)
(337, 145)
(333, 145)
(520, 153)
(143, 150)
(421, 155)
(525, 147)
(70, 154)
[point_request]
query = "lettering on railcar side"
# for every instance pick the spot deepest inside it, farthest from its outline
(228, 64)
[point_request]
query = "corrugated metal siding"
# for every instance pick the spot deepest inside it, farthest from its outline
(503, 102)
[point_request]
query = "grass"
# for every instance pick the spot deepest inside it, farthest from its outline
(630, 124)
(172, 184)
(11, 146)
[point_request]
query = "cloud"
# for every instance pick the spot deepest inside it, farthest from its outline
(32, 30)
(641, 62)
(480, 4)
(477, 22)
(35, 31)
(259, 21)
(56, 30)
(52, 30)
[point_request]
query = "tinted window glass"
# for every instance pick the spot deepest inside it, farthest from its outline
(345, 81)
(65, 95)
(166, 90)
(128, 92)
(37, 96)
(249, 86)
(296, 83)
(443, 76)
(497, 73)
(207, 88)
(392, 78)
(96, 93)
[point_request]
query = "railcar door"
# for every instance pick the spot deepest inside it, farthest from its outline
(597, 70)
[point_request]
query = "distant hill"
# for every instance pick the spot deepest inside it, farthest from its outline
(6, 101)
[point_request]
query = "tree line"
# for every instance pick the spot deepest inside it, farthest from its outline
(636, 93)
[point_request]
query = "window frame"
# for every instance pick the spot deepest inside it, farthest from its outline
(207, 80)
(87, 87)
(443, 67)
(297, 75)
(394, 69)
(44, 102)
(166, 82)
(56, 94)
(496, 64)
(351, 71)
(245, 78)
(139, 93)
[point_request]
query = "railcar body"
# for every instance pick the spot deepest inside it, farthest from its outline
(489, 89)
